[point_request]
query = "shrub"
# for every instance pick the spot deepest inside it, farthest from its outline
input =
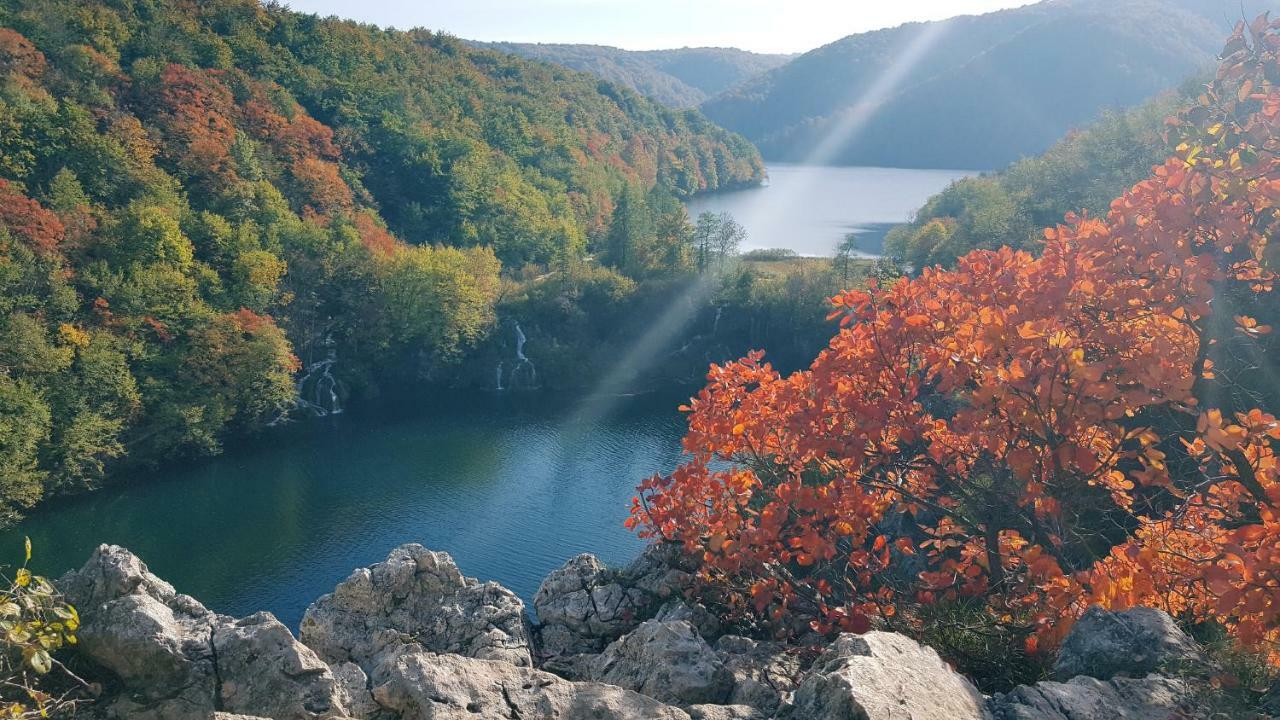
(36, 622)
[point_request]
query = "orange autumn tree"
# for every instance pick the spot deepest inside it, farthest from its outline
(1023, 436)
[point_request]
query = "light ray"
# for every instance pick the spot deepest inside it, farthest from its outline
(684, 308)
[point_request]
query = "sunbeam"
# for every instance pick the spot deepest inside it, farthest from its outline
(643, 353)
(680, 313)
(848, 123)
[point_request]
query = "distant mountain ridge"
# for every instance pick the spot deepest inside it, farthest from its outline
(980, 91)
(680, 78)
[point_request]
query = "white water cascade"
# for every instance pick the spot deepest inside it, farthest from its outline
(318, 388)
(523, 372)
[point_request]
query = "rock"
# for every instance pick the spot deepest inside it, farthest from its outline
(884, 676)
(1132, 643)
(765, 675)
(1087, 698)
(353, 687)
(572, 667)
(1271, 701)
(583, 606)
(416, 596)
(725, 712)
(265, 670)
(668, 661)
(661, 571)
(151, 648)
(177, 660)
(702, 619)
(419, 685)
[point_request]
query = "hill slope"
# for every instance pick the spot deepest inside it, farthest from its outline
(975, 91)
(679, 78)
(1083, 172)
(201, 201)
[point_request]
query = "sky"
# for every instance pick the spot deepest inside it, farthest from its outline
(774, 26)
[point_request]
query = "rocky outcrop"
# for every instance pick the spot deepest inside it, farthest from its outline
(765, 674)
(353, 688)
(884, 676)
(668, 661)
(1087, 698)
(419, 685)
(417, 596)
(177, 660)
(411, 638)
(1131, 643)
(584, 605)
(725, 712)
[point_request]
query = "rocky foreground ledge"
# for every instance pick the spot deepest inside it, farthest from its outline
(412, 638)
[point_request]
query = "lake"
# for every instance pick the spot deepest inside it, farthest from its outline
(511, 485)
(810, 209)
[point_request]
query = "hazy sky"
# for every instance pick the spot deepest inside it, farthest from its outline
(760, 25)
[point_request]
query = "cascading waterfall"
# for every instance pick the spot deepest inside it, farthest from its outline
(317, 391)
(318, 388)
(523, 371)
(715, 326)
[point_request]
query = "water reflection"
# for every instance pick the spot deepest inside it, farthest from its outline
(810, 209)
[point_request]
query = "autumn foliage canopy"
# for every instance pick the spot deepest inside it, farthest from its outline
(1025, 435)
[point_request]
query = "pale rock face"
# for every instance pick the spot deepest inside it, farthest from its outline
(265, 670)
(420, 685)
(1087, 698)
(765, 675)
(668, 661)
(884, 676)
(177, 660)
(353, 686)
(1130, 643)
(582, 606)
(725, 712)
(697, 615)
(416, 596)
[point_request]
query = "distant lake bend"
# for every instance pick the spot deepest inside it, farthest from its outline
(511, 485)
(811, 208)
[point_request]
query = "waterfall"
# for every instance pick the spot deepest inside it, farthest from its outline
(520, 340)
(523, 371)
(715, 326)
(323, 399)
(317, 391)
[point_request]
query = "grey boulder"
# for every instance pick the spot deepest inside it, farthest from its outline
(1087, 698)
(583, 606)
(1130, 643)
(668, 661)
(725, 712)
(420, 685)
(765, 675)
(416, 596)
(177, 660)
(884, 676)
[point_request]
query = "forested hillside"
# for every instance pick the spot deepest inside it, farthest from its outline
(199, 199)
(680, 78)
(1083, 172)
(976, 92)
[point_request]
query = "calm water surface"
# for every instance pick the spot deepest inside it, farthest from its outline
(810, 209)
(511, 486)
